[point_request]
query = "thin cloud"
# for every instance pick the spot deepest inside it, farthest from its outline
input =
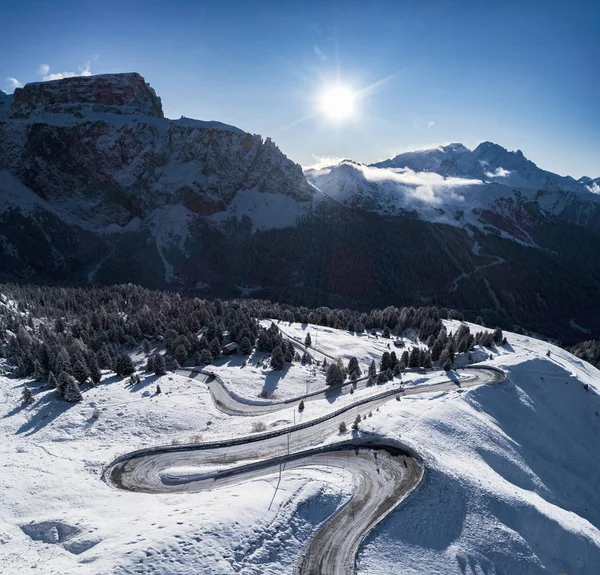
(13, 83)
(320, 54)
(44, 71)
(323, 162)
(430, 124)
(498, 173)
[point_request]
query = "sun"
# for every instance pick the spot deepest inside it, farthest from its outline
(338, 103)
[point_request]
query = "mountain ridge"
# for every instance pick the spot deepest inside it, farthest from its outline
(100, 188)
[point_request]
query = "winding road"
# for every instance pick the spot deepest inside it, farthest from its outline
(384, 471)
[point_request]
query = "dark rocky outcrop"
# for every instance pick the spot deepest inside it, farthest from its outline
(114, 93)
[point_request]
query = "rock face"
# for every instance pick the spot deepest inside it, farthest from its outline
(96, 185)
(99, 148)
(114, 93)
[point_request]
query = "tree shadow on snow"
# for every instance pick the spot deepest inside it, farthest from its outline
(273, 378)
(332, 393)
(43, 412)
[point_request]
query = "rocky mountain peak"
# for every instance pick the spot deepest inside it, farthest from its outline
(115, 93)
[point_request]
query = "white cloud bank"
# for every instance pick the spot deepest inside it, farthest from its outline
(13, 83)
(44, 72)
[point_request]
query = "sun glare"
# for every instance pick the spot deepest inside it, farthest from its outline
(338, 103)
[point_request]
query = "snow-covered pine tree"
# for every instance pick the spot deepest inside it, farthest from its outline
(205, 357)
(95, 373)
(26, 396)
(150, 364)
(334, 375)
(215, 348)
(124, 365)
(39, 373)
(63, 363)
(289, 354)
(160, 367)
(80, 372)
(277, 358)
(372, 369)
(245, 346)
(62, 383)
(51, 380)
(353, 368)
(180, 354)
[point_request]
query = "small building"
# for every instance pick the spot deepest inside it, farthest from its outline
(398, 343)
(230, 348)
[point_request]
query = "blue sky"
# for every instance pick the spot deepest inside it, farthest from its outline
(524, 74)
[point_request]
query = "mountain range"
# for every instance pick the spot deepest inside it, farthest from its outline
(97, 187)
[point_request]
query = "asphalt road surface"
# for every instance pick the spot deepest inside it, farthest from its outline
(384, 472)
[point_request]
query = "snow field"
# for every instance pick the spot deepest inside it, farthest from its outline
(510, 487)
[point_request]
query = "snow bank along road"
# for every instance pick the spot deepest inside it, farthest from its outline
(384, 471)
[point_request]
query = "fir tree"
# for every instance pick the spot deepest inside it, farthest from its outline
(160, 367)
(39, 373)
(26, 396)
(386, 361)
(353, 368)
(215, 348)
(63, 363)
(334, 375)
(94, 370)
(307, 340)
(180, 354)
(105, 358)
(438, 346)
(277, 358)
(205, 357)
(175, 365)
(51, 381)
(245, 346)
(72, 393)
(372, 369)
(150, 364)
(289, 354)
(80, 372)
(414, 357)
(62, 383)
(124, 365)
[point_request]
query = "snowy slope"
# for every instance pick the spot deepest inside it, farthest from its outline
(455, 186)
(510, 486)
(489, 162)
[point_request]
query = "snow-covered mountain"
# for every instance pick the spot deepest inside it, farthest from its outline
(94, 158)
(99, 148)
(96, 186)
(488, 162)
(488, 186)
